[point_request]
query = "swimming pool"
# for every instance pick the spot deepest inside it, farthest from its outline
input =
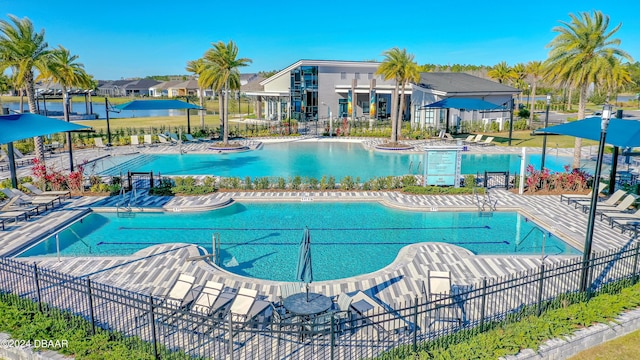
(261, 240)
(313, 159)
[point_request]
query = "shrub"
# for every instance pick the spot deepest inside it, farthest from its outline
(347, 183)
(296, 182)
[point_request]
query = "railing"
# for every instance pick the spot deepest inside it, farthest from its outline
(150, 325)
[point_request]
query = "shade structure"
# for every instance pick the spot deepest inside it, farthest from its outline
(305, 271)
(156, 105)
(620, 132)
(16, 127)
(463, 103)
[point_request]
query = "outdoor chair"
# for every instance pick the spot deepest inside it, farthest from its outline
(382, 318)
(22, 159)
(210, 299)
(448, 138)
(34, 189)
(21, 199)
(487, 142)
(135, 141)
(245, 307)
(578, 197)
(620, 216)
(164, 139)
(437, 289)
(469, 139)
(288, 289)
(622, 207)
(190, 138)
(177, 298)
(148, 140)
(13, 215)
(173, 137)
(611, 201)
(99, 144)
(627, 224)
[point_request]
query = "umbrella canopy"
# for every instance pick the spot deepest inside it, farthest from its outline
(463, 103)
(304, 271)
(16, 127)
(156, 105)
(622, 133)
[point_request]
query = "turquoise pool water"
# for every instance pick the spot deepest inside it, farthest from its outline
(261, 240)
(308, 159)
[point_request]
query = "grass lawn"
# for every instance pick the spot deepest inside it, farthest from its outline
(525, 139)
(146, 122)
(626, 347)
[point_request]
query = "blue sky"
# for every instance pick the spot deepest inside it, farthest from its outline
(136, 38)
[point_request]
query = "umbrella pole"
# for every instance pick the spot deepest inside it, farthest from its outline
(307, 292)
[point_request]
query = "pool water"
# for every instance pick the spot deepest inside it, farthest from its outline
(312, 159)
(261, 240)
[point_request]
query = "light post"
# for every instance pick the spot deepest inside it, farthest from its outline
(330, 120)
(544, 139)
(606, 115)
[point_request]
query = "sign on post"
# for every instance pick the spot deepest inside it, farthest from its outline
(442, 166)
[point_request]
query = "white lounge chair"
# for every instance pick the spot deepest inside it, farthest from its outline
(578, 197)
(622, 206)
(611, 201)
(34, 189)
(487, 142)
(245, 306)
(135, 141)
(164, 139)
(473, 139)
(620, 216)
(210, 298)
(370, 309)
(148, 140)
(177, 296)
(22, 199)
(437, 289)
(99, 144)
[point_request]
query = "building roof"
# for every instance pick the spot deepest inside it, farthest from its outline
(253, 84)
(453, 83)
(190, 84)
(167, 84)
(142, 84)
(319, 63)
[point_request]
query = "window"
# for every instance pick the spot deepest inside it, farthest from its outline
(429, 117)
(357, 76)
(370, 76)
(343, 76)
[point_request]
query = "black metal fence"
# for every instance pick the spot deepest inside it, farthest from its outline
(151, 325)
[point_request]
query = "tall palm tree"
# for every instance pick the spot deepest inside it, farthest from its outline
(579, 54)
(23, 49)
(223, 70)
(535, 71)
(617, 77)
(519, 76)
(398, 65)
(197, 67)
(62, 68)
(502, 72)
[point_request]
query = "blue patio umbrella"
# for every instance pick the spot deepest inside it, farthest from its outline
(621, 133)
(304, 271)
(16, 127)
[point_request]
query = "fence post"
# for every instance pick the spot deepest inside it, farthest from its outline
(540, 288)
(230, 346)
(91, 315)
(634, 279)
(333, 337)
(38, 293)
(589, 275)
(486, 180)
(483, 303)
(415, 324)
(152, 320)
(507, 177)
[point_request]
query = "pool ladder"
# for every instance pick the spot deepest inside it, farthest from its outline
(417, 168)
(485, 204)
(544, 239)
(123, 210)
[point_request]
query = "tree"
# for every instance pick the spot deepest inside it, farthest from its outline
(5, 85)
(197, 67)
(616, 78)
(222, 64)
(502, 72)
(579, 54)
(535, 71)
(23, 49)
(398, 65)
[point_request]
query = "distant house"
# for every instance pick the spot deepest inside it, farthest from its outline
(436, 86)
(140, 87)
(162, 89)
(184, 88)
(112, 88)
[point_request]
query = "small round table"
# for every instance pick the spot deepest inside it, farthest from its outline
(298, 304)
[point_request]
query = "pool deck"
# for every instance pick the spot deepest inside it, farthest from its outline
(152, 270)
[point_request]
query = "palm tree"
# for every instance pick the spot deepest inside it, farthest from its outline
(23, 49)
(502, 72)
(579, 55)
(197, 67)
(5, 85)
(535, 71)
(398, 65)
(617, 77)
(222, 64)
(64, 70)
(519, 75)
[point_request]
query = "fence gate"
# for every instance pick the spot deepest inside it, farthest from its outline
(142, 180)
(493, 179)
